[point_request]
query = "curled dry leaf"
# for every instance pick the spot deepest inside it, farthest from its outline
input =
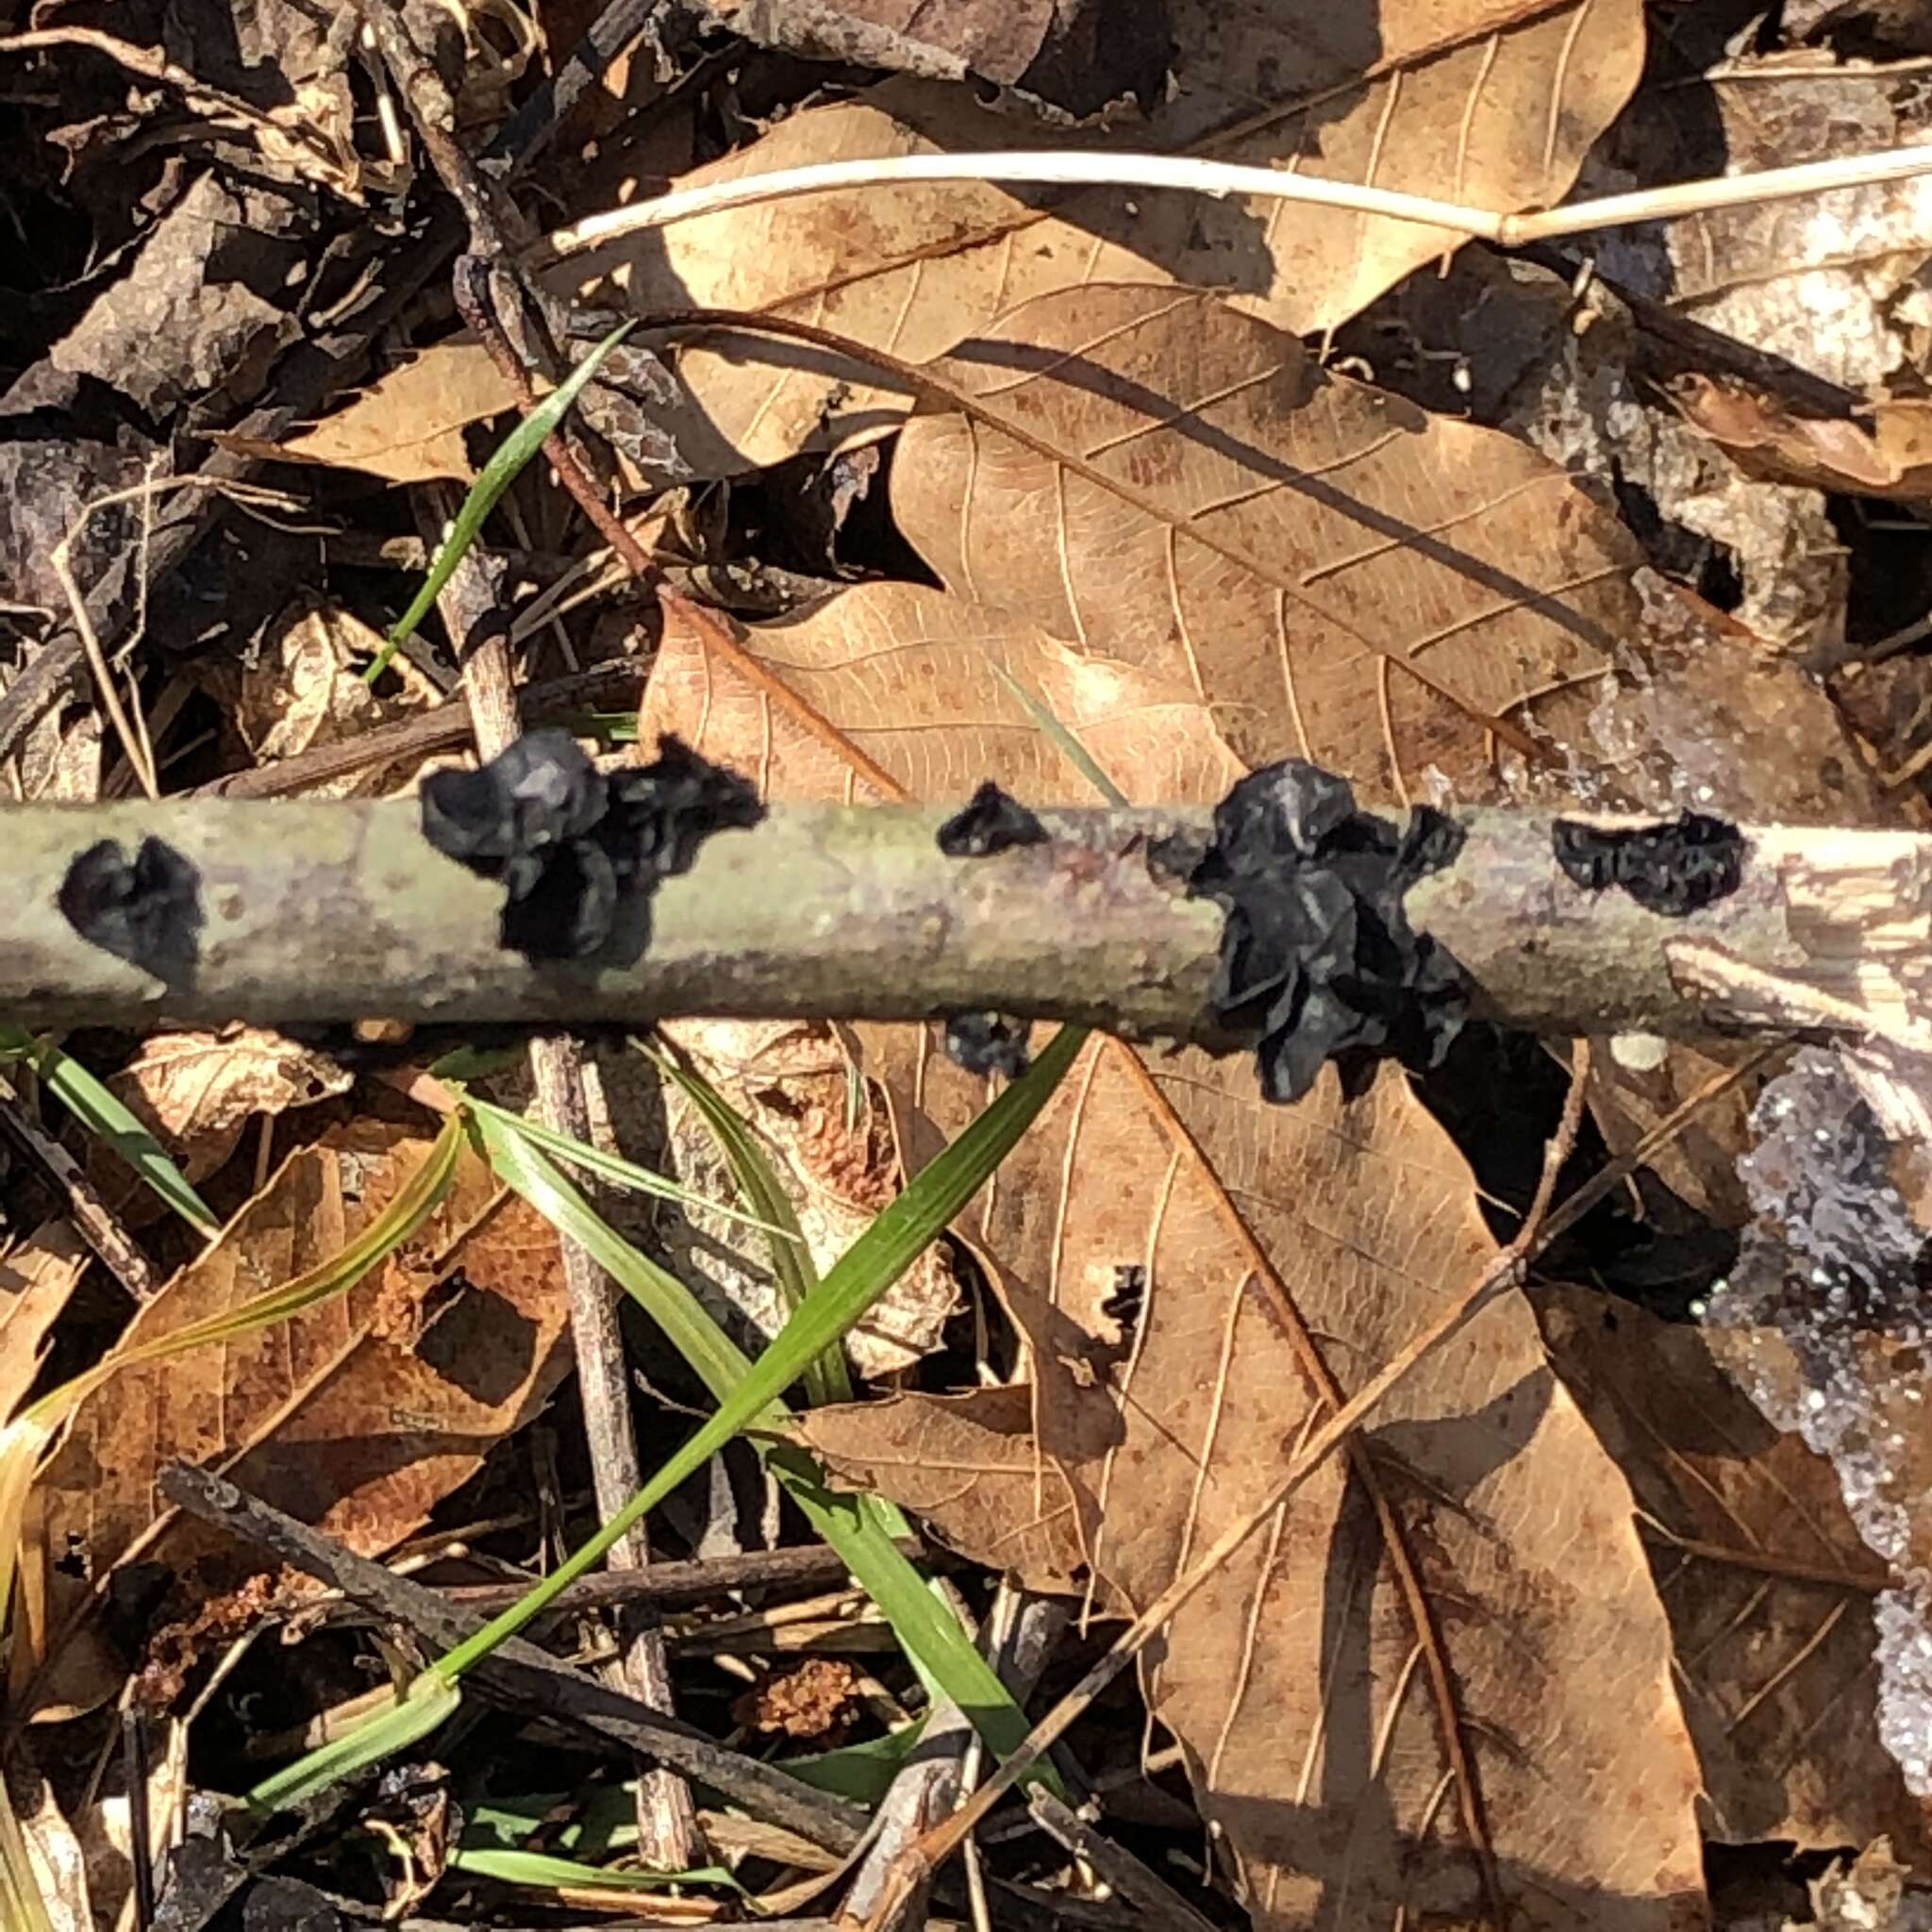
(1828, 281)
(306, 690)
(36, 1278)
(195, 1092)
(357, 1416)
(1768, 1583)
(795, 1084)
(1884, 452)
(1393, 1693)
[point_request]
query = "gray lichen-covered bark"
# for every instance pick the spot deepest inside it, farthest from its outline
(332, 911)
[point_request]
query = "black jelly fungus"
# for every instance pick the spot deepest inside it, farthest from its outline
(990, 822)
(1675, 867)
(988, 1044)
(1318, 960)
(574, 848)
(147, 910)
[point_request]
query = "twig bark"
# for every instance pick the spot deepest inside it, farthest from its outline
(666, 1818)
(518, 1675)
(338, 910)
(97, 1222)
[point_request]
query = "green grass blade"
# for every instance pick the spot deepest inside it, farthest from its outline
(750, 1393)
(515, 450)
(1075, 753)
(867, 1269)
(547, 1873)
(617, 1170)
(861, 1529)
(826, 1378)
(411, 1205)
(714, 1357)
(864, 1773)
(429, 1702)
(107, 1116)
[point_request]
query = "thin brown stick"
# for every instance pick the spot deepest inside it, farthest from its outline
(445, 728)
(666, 1818)
(517, 1673)
(97, 1222)
(471, 283)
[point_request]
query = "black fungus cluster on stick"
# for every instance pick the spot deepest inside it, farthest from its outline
(578, 849)
(1318, 959)
(1675, 867)
(988, 1042)
(146, 909)
(992, 821)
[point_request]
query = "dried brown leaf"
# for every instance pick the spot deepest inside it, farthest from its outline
(1884, 452)
(1826, 281)
(969, 1466)
(357, 1416)
(305, 689)
(195, 1091)
(188, 318)
(1768, 1583)
(1167, 483)
(1489, 101)
(1439, 1683)
(407, 426)
(36, 1278)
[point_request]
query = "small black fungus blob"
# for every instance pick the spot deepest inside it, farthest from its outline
(1318, 959)
(577, 849)
(146, 911)
(1675, 867)
(992, 822)
(1128, 1295)
(987, 1043)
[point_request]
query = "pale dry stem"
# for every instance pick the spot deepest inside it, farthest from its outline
(1194, 174)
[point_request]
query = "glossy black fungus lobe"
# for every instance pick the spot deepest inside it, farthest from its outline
(991, 822)
(578, 849)
(147, 910)
(988, 1042)
(1318, 959)
(1675, 867)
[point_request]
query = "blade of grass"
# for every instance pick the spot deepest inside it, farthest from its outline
(863, 1272)
(861, 1528)
(105, 1114)
(548, 1873)
(385, 1232)
(861, 1772)
(516, 449)
(22, 1907)
(826, 1378)
(866, 1270)
(426, 1704)
(620, 1172)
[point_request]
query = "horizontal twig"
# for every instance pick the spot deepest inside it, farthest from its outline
(518, 1675)
(316, 912)
(1188, 174)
